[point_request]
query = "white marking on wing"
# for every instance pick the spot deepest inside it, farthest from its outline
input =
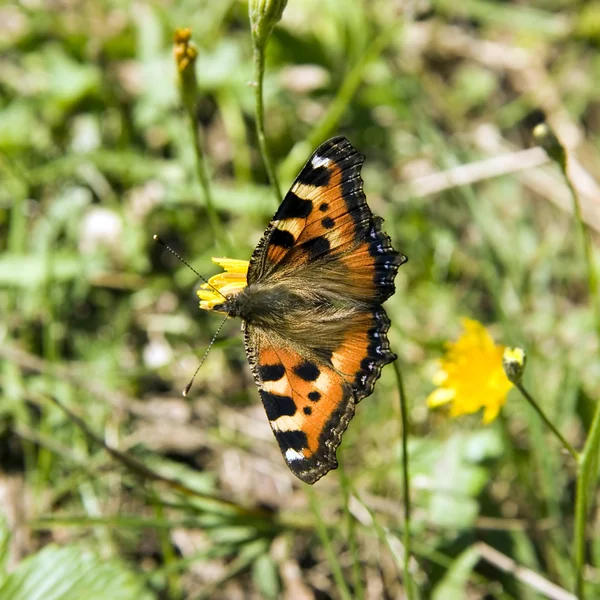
(281, 386)
(319, 161)
(287, 423)
(291, 455)
(305, 191)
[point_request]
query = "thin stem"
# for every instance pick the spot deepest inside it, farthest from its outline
(259, 72)
(587, 461)
(202, 173)
(585, 475)
(588, 251)
(334, 564)
(548, 422)
(406, 482)
(185, 54)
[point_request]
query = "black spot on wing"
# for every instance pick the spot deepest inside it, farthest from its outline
(271, 372)
(317, 246)
(277, 406)
(327, 222)
(349, 162)
(293, 207)
(307, 371)
(310, 175)
(314, 396)
(282, 238)
(294, 440)
(307, 410)
(324, 207)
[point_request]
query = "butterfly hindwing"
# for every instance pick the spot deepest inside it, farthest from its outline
(310, 400)
(307, 402)
(364, 351)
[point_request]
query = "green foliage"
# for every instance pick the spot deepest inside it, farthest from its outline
(70, 573)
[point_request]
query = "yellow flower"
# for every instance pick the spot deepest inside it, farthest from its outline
(471, 376)
(223, 285)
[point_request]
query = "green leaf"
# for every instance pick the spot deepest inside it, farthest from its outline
(264, 574)
(72, 573)
(458, 479)
(29, 271)
(453, 585)
(20, 128)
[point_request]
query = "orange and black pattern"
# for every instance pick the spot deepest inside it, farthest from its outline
(315, 330)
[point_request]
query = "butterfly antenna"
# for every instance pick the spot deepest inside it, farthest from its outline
(188, 387)
(157, 239)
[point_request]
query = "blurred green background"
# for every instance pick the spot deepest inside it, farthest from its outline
(96, 156)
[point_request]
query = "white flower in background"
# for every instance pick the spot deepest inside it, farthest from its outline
(100, 227)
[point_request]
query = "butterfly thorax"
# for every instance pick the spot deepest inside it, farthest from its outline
(279, 307)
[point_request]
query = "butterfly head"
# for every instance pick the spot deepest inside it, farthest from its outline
(219, 292)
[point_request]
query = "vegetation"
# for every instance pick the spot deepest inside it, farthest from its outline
(112, 484)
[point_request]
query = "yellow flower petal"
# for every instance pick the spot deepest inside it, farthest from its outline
(223, 285)
(440, 396)
(232, 265)
(471, 376)
(440, 377)
(490, 413)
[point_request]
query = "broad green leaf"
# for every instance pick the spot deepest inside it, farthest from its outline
(28, 271)
(264, 573)
(72, 573)
(453, 585)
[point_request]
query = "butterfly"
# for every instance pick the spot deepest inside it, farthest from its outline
(315, 331)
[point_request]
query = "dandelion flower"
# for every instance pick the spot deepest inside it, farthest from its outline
(226, 284)
(471, 376)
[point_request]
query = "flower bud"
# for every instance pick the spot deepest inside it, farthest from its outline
(185, 54)
(546, 138)
(264, 15)
(513, 362)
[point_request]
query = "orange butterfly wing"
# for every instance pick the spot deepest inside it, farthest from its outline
(325, 244)
(308, 404)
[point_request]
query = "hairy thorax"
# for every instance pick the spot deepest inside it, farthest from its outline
(302, 315)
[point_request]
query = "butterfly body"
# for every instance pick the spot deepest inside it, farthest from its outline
(315, 330)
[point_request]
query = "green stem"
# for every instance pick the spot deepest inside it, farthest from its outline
(406, 482)
(186, 54)
(359, 592)
(259, 73)
(588, 460)
(579, 536)
(334, 564)
(585, 476)
(202, 173)
(588, 251)
(548, 422)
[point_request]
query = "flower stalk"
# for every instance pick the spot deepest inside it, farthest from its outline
(586, 468)
(264, 15)
(568, 447)
(406, 482)
(185, 54)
